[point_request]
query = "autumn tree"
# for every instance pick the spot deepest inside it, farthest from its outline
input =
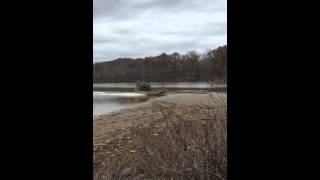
(164, 67)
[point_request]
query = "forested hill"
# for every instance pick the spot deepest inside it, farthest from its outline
(172, 67)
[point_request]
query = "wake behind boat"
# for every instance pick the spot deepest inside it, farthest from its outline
(153, 93)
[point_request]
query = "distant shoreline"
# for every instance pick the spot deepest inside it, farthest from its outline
(219, 81)
(217, 87)
(171, 90)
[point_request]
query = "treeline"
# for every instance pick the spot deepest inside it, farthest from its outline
(173, 67)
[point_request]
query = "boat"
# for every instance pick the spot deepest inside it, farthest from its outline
(145, 88)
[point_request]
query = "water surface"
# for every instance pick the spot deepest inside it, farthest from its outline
(108, 97)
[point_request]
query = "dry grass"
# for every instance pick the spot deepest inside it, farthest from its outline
(192, 145)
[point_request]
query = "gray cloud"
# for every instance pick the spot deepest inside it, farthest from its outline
(213, 29)
(131, 28)
(119, 9)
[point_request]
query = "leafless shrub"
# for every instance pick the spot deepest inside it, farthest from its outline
(178, 146)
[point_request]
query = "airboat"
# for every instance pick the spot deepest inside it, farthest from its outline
(145, 88)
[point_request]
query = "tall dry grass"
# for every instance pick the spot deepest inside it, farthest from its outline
(192, 145)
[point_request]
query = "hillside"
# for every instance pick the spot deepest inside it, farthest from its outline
(164, 67)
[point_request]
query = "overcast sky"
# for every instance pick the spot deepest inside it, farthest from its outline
(139, 28)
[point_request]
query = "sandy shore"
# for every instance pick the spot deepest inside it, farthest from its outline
(116, 123)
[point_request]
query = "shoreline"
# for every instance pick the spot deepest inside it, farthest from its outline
(111, 124)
